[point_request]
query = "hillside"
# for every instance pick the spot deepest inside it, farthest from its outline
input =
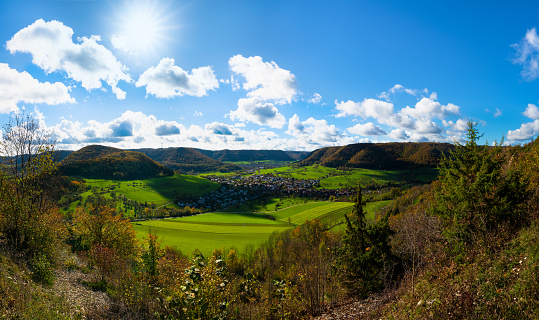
(60, 155)
(187, 160)
(297, 155)
(384, 156)
(247, 155)
(100, 162)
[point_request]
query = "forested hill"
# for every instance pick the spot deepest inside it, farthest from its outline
(188, 160)
(247, 155)
(297, 155)
(386, 156)
(100, 162)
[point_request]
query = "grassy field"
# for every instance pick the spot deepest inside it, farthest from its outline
(159, 191)
(218, 230)
(331, 178)
(338, 220)
(267, 205)
(211, 231)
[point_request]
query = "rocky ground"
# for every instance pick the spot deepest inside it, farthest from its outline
(353, 309)
(85, 301)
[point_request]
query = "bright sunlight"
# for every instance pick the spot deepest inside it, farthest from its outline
(142, 28)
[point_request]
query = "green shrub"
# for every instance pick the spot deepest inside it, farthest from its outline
(42, 269)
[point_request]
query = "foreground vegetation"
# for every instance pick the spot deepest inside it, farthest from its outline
(464, 247)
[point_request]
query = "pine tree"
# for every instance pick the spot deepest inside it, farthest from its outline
(366, 254)
(478, 191)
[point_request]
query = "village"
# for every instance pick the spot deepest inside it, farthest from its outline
(235, 190)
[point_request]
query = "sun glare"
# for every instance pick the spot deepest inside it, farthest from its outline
(142, 28)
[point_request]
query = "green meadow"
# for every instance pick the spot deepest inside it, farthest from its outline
(210, 231)
(158, 191)
(331, 178)
(267, 205)
(221, 230)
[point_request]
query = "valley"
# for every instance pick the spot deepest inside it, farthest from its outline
(240, 209)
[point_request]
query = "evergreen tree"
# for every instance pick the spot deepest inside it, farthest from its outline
(478, 192)
(366, 256)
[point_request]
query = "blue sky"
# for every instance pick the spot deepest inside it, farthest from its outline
(261, 74)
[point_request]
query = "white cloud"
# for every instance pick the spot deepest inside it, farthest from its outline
(259, 112)
(315, 99)
(418, 123)
(264, 80)
(399, 134)
(527, 55)
(122, 129)
(368, 108)
(198, 114)
(400, 88)
(460, 125)
(22, 87)
(121, 43)
(384, 95)
(497, 113)
(526, 131)
(371, 108)
(167, 129)
(397, 87)
(136, 130)
(267, 85)
(219, 128)
(131, 129)
(167, 80)
(427, 108)
(532, 112)
(427, 126)
(367, 129)
(312, 131)
(52, 49)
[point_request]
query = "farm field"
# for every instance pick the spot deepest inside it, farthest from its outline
(331, 178)
(337, 219)
(218, 230)
(159, 191)
(268, 205)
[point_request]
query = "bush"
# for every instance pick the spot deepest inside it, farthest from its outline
(42, 269)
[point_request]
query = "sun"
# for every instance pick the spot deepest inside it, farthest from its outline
(142, 28)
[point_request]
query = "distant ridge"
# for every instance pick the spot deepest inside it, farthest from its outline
(247, 155)
(188, 160)
(298, 155)
(385, 156)
(100, 162)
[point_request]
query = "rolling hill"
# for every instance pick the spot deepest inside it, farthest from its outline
(187, 160)
(297, 155)
(385, 156)
(247, 155)
(100, 162)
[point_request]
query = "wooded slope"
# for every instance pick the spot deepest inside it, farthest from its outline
(100, 162)
(385, 156)
(247, 155)
(187, 160)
